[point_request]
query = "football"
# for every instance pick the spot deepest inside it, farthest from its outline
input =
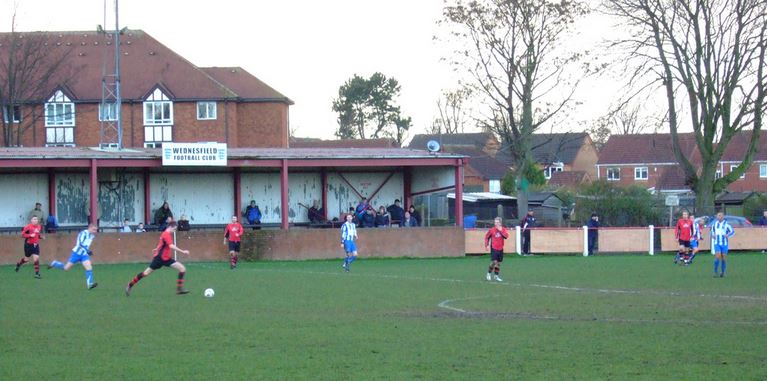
(209, 293)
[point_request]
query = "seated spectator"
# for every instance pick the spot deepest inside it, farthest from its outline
(416, 216)
(126, 227)
(162, 214)
(396, 213)
(51, 224)
(361, 208)
(382, 218)
(408, 221)
(140, 228)
(315, 214)
(183, 224)
(368, 219)
(253, 215)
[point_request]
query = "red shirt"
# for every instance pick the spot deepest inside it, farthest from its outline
(684, 229)
(233, 232)
(163, 247)
(32, 233)
(496, 237)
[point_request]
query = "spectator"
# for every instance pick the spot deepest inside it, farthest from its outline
(408, 221)
(183, 224)
(162, 214)
(126, 227)
(526, 224)
(593, 234)
(51, 224)
(763, 220)
(416, 216)
(368, 218)
(37, 212)
(396, 213)
(253, 215)
(382, 218)
(140, 228)
(315, 214)
(361, 208)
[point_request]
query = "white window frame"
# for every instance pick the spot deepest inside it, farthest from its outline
(494, 186)
(108, 114)
(206, 110)
(762, 171)
(638, 172)
(611, 173)
(16, 113)
(158, 109)
(732, 168)
(59, 111)
(718, 174)
(555, 167)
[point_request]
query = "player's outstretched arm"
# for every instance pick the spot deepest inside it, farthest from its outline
(174, 247)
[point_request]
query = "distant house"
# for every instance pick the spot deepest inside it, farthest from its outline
(571, 179)
(564, 152)
(483, 173)
(295, 142)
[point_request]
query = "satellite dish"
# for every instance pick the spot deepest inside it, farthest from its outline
(432, 146)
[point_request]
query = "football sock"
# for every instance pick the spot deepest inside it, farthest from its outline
(136, 279)
(724, 266)
(716, 266)
(180, 281)
(351, 258)
(233, 260)
(88, 277)
(22, 261)
(57, 265)
(236, 259)
(497, 269)
(37, 266)
(490, 269)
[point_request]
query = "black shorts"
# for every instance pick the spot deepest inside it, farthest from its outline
(158, 262)
(684, 243)
(30, 249)
(234, 246)
(496, 255)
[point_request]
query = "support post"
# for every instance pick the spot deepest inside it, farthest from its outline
(94, 192)
(407, 193)
(459, 193)
(585, 241)
(237, 177)
(324, 184)
(147, 198)
(518, 239)
(284, 195)
(652, 240)
(51, 194)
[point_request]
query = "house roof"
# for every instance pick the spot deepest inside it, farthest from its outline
(672, 178)
(739, 145)
(734, 197)
(540, 197)
(487, 166)
(560, 147)
(342, 143)
(644, 148)
(145, 64)
(476, 139)
(568, 178)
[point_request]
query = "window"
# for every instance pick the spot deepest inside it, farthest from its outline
(762, 170)
(555, 167)
(158, 109)
(158, 133)
(107, 111)
(732, 168)
(718, 174)
(495, 186)
(14, 112)
(613, 174)
(640, 173)
(206, 110)
(59, 120)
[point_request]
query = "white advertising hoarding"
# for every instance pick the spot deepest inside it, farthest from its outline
(194, 154)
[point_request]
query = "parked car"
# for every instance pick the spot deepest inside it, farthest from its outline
(735, 221)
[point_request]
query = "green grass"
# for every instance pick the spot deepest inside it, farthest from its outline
(308, 320)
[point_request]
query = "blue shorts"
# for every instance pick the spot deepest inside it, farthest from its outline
(721, 249)
(75, 257)
(694, 244)
(350, 246)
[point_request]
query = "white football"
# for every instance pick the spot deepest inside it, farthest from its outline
(209, 293)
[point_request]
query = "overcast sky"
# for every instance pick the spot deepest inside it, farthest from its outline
(305, 49)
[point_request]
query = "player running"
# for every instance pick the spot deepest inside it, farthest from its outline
(721, 231)
(683, 234)
(495, 238)
(163, 257)
(697, 236)
(81, 253)
(32, 234)
(232, 237)
(348, 236)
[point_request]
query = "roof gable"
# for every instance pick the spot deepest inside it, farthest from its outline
(644, 149)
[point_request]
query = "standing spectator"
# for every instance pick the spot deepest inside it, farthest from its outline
(126, 227)
(162, 214)
(593, 226)
(183, 224)
(361, 208)
(37, 212)
(253, 215)
(763, 222)
(315, 213)
(140, 228)
(396, 213)
(527, 223)
(408, 221)
(415, 215)
(382, 218)
(368, 218)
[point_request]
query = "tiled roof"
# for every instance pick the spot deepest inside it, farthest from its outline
(672, 178)
(734, 197)
(244, 84)
(739, 144)
(568, 178)
(145, 64)
(644, 148)
(342, 143)
(489, 167)
(561, 147)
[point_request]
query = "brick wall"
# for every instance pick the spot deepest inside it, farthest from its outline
(262, 124)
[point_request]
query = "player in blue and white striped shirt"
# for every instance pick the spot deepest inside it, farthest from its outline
(721, 231)
(348, 236)
(81, 253)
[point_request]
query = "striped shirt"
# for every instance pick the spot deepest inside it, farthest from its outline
(348, 232)
(83, 243)
(696, 233)
(721, 231)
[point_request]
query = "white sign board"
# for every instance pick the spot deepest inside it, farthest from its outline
(194, 154)
(672, 200)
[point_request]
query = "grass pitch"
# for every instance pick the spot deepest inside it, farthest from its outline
(553, 318)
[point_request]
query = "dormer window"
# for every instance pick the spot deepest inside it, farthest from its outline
(59, 120)
(158, 119)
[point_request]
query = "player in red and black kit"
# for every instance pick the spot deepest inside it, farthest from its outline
(32, 234)
(232, 236)
(683, 232)
(495, 238)
(164, 257)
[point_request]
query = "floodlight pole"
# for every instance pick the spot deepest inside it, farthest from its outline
(118, 98)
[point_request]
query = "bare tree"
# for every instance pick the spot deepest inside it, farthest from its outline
(708, 57)
(454, 112)
(30, 67)
(512, 50)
